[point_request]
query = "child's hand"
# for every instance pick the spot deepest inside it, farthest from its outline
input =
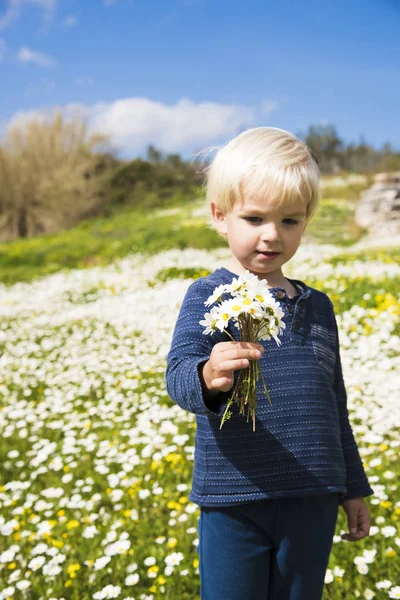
(225, 359)
(358, 519)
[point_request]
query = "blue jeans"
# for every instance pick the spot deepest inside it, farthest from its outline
(275, 549)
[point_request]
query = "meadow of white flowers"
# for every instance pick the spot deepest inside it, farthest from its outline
(96, 459)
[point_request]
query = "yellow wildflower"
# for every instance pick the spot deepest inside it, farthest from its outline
(72, 568)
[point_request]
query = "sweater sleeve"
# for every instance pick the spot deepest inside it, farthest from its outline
(190, 348)
(356, 479)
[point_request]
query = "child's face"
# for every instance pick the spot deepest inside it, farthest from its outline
(261, 236)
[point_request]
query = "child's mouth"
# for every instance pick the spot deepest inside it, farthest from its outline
(268, 255)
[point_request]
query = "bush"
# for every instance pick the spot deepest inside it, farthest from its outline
(45, 182)
(146, 184)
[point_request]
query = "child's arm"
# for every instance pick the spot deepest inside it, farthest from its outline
(199, 374)
(356, 480)
(190, 350)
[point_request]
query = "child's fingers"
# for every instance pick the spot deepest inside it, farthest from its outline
(238, 346)
(227, 366)
(240, 354)
(223, 384)
(235, 357)
(361, 532)
(363, 528)
(353, 537)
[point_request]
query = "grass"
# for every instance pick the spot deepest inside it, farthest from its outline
(334, 223)
(101, 241)
(106, 456)
(93, 450)
(384, 255)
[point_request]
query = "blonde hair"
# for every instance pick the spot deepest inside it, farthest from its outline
(271, 162)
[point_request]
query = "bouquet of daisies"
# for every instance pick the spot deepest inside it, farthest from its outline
(258, 316)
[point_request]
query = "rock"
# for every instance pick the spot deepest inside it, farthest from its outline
(379, 207)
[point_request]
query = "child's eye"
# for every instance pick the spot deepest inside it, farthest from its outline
(290, 221)
(252, 219)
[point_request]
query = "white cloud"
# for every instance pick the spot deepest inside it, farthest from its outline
(24, 116)
(70, 21)
(26, 55)
(109, 2)
(185, 127)
(2, 49)
(134, 123)
(13, 10)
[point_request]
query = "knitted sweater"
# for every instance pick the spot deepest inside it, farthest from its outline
(303, 444)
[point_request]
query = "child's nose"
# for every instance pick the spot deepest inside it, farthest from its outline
(270, 232)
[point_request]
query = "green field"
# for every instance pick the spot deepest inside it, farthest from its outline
(97, 459)
(99, 242)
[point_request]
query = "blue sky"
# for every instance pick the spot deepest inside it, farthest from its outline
(189, 74)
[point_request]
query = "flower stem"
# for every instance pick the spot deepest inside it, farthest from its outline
(227, 332)
(245, 389)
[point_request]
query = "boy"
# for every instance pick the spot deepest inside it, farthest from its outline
(268, 499)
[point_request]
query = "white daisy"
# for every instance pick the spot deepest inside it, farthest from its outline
(216, 296)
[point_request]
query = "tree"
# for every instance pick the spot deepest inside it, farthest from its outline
(325, 145)
(44, 182)
(154, 155)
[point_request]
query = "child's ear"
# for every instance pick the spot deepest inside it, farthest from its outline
(218, 218)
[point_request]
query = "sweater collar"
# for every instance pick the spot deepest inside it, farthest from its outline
(303, 288)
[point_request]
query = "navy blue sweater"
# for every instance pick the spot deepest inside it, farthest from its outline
(303, 444)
